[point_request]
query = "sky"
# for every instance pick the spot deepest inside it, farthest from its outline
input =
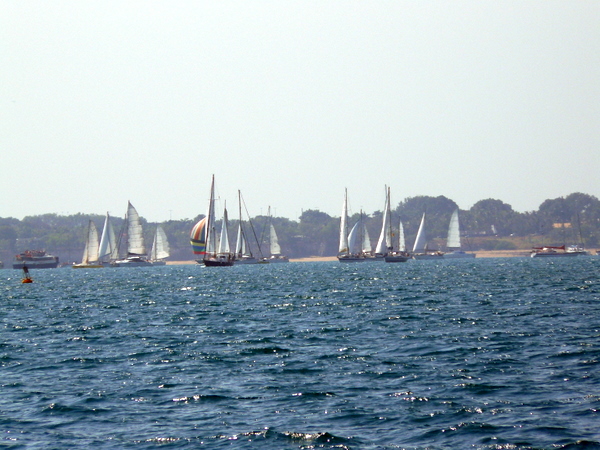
(104, 102)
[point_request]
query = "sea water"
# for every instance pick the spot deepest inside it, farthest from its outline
(498, 353)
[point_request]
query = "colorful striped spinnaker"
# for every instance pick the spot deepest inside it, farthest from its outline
(198, 238)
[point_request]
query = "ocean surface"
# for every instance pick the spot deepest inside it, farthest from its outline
(496, 353)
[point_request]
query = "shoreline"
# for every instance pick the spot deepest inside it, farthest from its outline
(480, 254)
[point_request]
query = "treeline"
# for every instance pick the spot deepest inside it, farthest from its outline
(489, 224)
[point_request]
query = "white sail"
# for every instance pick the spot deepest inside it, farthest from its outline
(366, 246)
(108, 242)
(135, 238)
(402, 241)
(275, 249)
(224, 241)
(211, 234)
(385, 237)
(354, 238)
(344, 226)
(90, 252)
(240, 245)
(454, 231)
(160, 245)
(421, 240)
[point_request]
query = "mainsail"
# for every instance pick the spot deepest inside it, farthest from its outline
(224, 247)
(135, 238)
(453, 231)
(275, 248)
(384, 244)
(402, 242)
(344, 226)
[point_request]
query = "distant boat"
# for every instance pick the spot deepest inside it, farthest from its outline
(552, 252)
(243, 253)
(216, 254)
(401, 255)
(384, 244)
(274, 247)
(35, 259)
(420, 250)
(136, 250)
(90, 259)
(359, 241)
(344, 251)
(160, 248)
(453, 241)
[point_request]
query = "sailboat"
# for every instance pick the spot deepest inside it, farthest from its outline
(384, 244)
(420, 250)
(274, 247)
(401, 255)
(453, 241)
(344, 251)
(359, 241)
(90, 259)
(136, 250)
(109, 248)
(160, 248)
(216, 254)
(243, 253)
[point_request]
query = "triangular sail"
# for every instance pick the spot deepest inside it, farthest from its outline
(90, 252)
(421, 240)
(354, 240)
(274, 241)
(402, 241)
(385, 237)
(211, 232)
(224, 247)
(108, 242)
(454, 231)
(344, 226)
(135, 238)
(160, 245)
(366, 246)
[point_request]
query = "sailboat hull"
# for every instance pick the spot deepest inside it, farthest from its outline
(217, 263)
(396, 258)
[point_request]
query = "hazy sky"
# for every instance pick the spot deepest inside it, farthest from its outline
(102, 102)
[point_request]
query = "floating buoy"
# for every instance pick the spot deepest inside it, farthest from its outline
(27, 277)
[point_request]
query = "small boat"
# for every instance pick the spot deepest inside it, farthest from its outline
(136, 250)
(420, 250)
(359, 242)
(551, 252)
(160, 250)
(26, 277)
(401, 255)
(35, 259)
(243, 253)
(274, 247)
(205, 241)
(453, 241)
(90, 259)
(344, 251)
(384, 244)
